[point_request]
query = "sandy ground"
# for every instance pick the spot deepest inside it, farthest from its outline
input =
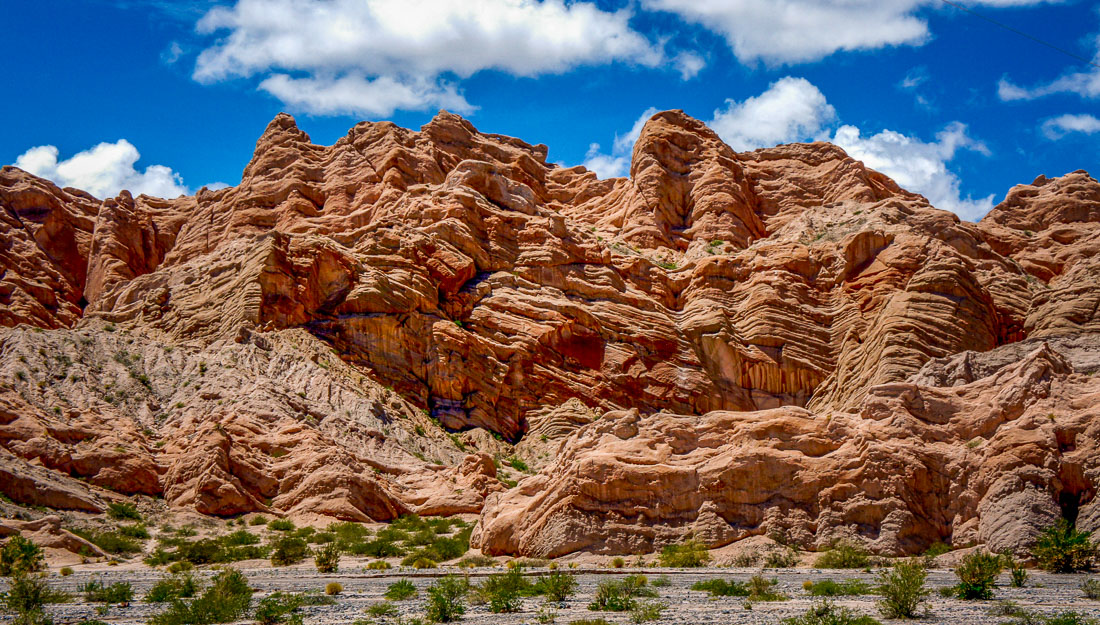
(1044, 593)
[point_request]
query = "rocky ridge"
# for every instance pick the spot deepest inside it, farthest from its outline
(727, 344)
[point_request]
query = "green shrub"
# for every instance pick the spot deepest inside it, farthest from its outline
(278, 609)
(123, 510)
(327, 559)
(173, 587)
(111, 542)
(503, 591)
(1091, 588)
(617, 562)
(902, 590)
(688, 554)
(118, 592)
(936, 549)
(288, 550)
(1069, 618)
(843, 555)
(721, 588)
(474, 561)
(240, 538)
(281, 525)
(382, 608)
(400, 590)
(20, 554)
(334, 588)
(555, 586)
(136, 530)
(446, 600)
(825, 613)
(421, 563)
(763, 589)
(257, 520)
(1016, 571)
(829, 588)
(65, 571)
(1063, 549)
(662, 581)
(646, 611)
(977, 575)
(589, 621)
(613, 596)
(377, 548)
(781, 558)
(224, 601)
(378, 565)
(28, 593)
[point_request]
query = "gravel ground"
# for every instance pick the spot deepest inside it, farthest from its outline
(1044, 593)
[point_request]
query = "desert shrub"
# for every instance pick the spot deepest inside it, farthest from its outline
(829, 588)
(721, 588)
(316, 598)
(503, 591)
(556, 586)
(825, 613)
(474, 561)
(446, 601)
(278, 608)
(421, 563)
(1069, 618)
(762, 589)
(123, 510)
(843, 555)
(348, 533)
(617, 562)
(334, 588)
(65, 571)
(257, 520)
(661, 581)
(322, 538)
(781, 559)
(288, 550)
(382, 608)
(180, 567)
(646, 611)
(240, 538)
(173, 587)
(378, 565)
(1091, 588)
(378, 548)
(936, 549)
(29, 592)
(327, 559)
(118, 592)
(528, 563)
(281, 525)
(111, 542)
(1063, 549)
(589, 621)
(224, 601)
(902, 590)
(546, 614)
(688, 554)
(400, 590)
(977, 575)
(20, 554)
(134, 530)
(613, 596)
(1016, 571)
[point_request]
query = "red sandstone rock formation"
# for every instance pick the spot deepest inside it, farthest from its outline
(458, 273)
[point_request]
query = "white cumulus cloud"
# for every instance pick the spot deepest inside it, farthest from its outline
(1083, 83)
(797, 31)
(103, 170)
(617, 163)
(919, 166)
(1058, 127)
(791, 109)
(376, 56)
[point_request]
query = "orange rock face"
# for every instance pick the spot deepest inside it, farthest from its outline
(348, 315)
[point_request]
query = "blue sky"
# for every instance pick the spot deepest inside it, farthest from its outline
(166, 96)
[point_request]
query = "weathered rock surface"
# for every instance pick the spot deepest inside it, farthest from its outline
(345, 330)
(991, 462)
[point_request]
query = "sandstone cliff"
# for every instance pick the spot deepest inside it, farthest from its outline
(339, 330)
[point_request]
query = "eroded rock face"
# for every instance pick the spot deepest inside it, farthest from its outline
(345, 331)
(984, 462)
